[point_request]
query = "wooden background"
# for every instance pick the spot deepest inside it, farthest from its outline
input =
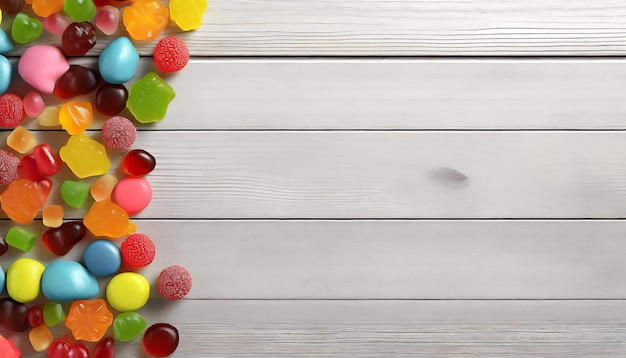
(376, 178)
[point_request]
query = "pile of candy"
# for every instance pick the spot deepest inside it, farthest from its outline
(27, 174)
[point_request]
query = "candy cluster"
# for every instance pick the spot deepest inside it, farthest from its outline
(27, 166)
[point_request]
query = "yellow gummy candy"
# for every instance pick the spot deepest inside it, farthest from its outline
(108, 219)
(187, 14)
(85, 156)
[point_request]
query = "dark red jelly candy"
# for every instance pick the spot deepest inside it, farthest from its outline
(35, 316)
(13, 315)
(64, 348)
(11, 110)
(138, 162)
(4, 247)
(29, 169)
(60, 240)
(76, 81)
(11, 6)
(171, 54)
(105, 349)
(111, 99)
(160, 339)
(48, 163)
(78, 38)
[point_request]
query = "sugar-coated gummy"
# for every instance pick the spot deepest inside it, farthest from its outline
(174, 282)
(11, 110)
(119, 133)
(138, 250)
(171, 54)
(9, 167)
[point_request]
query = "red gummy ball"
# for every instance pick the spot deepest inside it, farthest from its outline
(138, 250)
(11, 110)
(119, 133)
(174, 282)
(9, 167)
(171, 54)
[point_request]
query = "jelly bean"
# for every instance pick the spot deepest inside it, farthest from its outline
(102, 258)
(21, 140)
(89, 320)
(33, 104)
(174, 282)
(111, 99)
(9, 167)
(62, 239)
(74, 193)
(11, 110)
(108, 19)
(187, 14)
(78, 38)
(40, 338)
(128, 291)
(76, 81)
(13, 315)
(75, 117)
(5, 43)
(53, 313)
(145, 19)
(128, 325)
(35, 316)
(160, 339)
(24, 278)
(45, 8)
(105, 218)
(21, 238)
(119, 61)
(8, 348)
(49, 117)
(52, 215)
(64, 348)
(119, 133)
(25, 29)
(85, 156)
(4, 247)
(105, 349)
(80, 10)
(133, 194)
(171, 54)
(138, 250)
(6, 70)
(149, 98)
(68, 281)
(48, 163)
(28, 169)
(102, 188)
(41, 66)
(12, 6)
(56, 24)
(22, 199)
(138, 162)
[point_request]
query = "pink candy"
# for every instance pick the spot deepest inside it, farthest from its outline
(107, 19)
(9, 167)
(56, 24)
(174, 282)
(132, 194)
(33, 104)
(119, 133)
(41, 66)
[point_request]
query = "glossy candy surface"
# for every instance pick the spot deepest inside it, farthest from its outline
(171, 54)
(145, 19)
(41, 66)
(138, 162)
(35, 316)
(65, 280)
(160, 340)
(128, 291)
(52, 215)
(78, 38)
(107, 19)
(75, 117)
(138, 250)
(4, 247)
(45, 8)
(53, 313)
(22, 199)
(28, 169)
(12, 6)
(21, 140)
(149, 98)
(102, 258)
(11, 110)
(48, 163)
(118, 61)
(128, 325)
(132, 194)
(8, 348)
(6, 69)
(108, 219)
(9, 167)
(65, 348)
(80, 10)
(56, 24)
(76, 81)
(49, 117)
(102, 188)
(105, 349)
(33, 104)
(21, 238)
(40, 338)
(74, 193)
(111, 98)
(174, 282)
(89, 320)
(119, 133)
(62, 239)
(187, 14)
(25, 29)
(85, 156)
(13, 315)
(24, 279)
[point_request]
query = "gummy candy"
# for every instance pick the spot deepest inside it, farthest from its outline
(56, 24)
(85, 156)
(21, 238)
(11, 110)
(53, 313)
(138, 162)
(75, 117)
(45, 8)
(40, 338)
(28, 169)
(105, 349)
(64, 348)
(119, 133)
(171, 54)
(9, 167)
(102, 188)
(8, 348)
(76, 81)
(25, 29)
(187, 14)
(111, 98)
(23, 280)
(78, 38)
(80, 10)
(35, 316)
(33, 104)
(145, 19)
(111, 2)
(149, 98)
(174, 282)
(160, 339)
(47, 162)
(22, 199)
(128, 325)
(138, 250)
(12, 6)
(107, 19)
(108, 219)
(102, 258)
(4, 247)
(49, 117)
(132, 194)
(128, 291)
(13, 315)
(74, 193)
(89, 320)
(61, 240)
(52, 215)
(21, 140)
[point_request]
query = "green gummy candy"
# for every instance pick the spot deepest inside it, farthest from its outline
(25, 28)
(80, 10)
(53, 313)
(149, 97)
(128, 325)
(74, 193)
(21, 238)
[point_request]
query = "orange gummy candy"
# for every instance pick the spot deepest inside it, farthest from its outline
(45, 8)
(21, 140)
(75, 117)
(145, 19)
(106, 218)
(102, 188)
(52, 215)
(23, 198)
(89, 319)
(40, 338)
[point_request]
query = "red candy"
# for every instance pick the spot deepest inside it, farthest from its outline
(138, 162)
(76, 81)
(9, 167)
(111, 99)
(11, 110)
(138, 251)
(64, 348)
(35, 316)
(171, 54)
(28, 168)
(78, 38)
(174, 282)
(4, 247)
(119, 133)
(160, 339)
(48, 163)
(60, 240)
(105, 349)
(13, 315)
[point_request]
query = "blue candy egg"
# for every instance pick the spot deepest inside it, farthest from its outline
(5, 43)
(118, 61)
(102, 258)
(68, 281)
(5, 74)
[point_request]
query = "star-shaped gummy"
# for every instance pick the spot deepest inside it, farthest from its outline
(89, 319)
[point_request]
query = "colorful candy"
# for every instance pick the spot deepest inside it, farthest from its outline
(4, 247)
(171, 54)
(105, 349)
(107, 19)
(45, 8)
(35, 316)
(128, 291)
(145, 19)
(53, 313)
(52, 215)
(33, 104)
(21, 140)
(149, 98)
(76, 81)
(74, 193)
(49, 117)
(12, 6)
(119, 133)
(89, 320)
(68, 281)
(128, 325)
(22, 199)
(160, 339)
(138, 250)
(40, 338)
(102, 188)
(11, 110)
(85, 156)
(23, 279)
(6, 68)
(62, 239)
(174, 282)
(132, 194)
(102, 258)
(9, 167)
(75, 117)
(187, 14)
(28, 169)
(111, 98)
(108, 219)
(13, 315)
(78, 38)
(119, 61)
(41, 66)
(8, 348)
(80, 10)
(21, 238)
(25, 29)
(64, 348)
(56, 24)
(48, 163)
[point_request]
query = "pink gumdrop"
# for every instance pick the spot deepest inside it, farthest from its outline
(41, 66)
(132, 194)
(56, 24)
(9, 167)
(33, 104)
(8, 348)
(119, 133)
(174, 282)
(107, 19)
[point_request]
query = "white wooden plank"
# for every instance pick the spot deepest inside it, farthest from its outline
(386, 259)
(389, 329)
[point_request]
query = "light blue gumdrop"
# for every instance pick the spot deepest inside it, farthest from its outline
(118, 61)
(2, 280)
(68, 281)
(5, 43)
(102, 258)
(5, 74)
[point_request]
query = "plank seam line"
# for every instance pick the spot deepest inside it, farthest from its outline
(364, 130)
(408, 299)
(367, 219)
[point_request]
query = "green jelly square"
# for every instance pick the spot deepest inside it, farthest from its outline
(21, 238)
(53, 313)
